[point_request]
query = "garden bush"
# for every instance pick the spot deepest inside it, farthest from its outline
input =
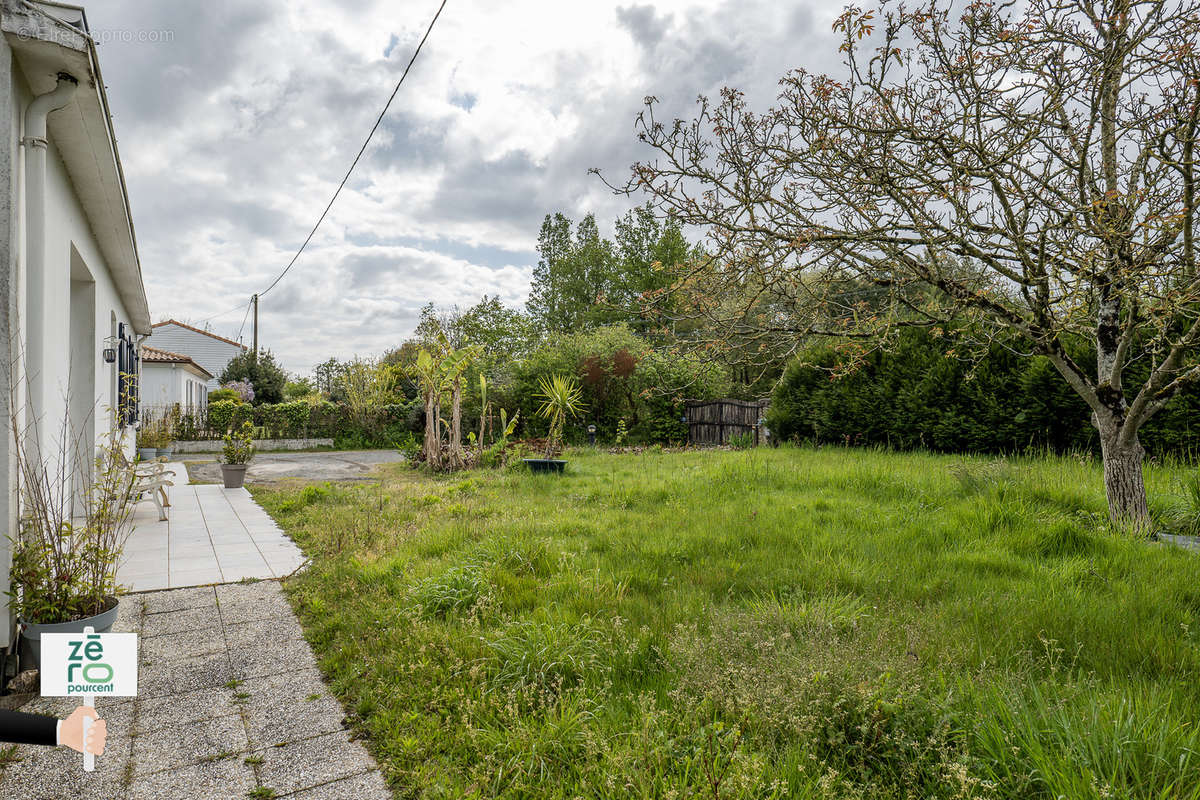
(621, 378)
(226, 415)
(284, 420)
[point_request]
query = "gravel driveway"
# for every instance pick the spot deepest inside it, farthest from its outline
(342, 465)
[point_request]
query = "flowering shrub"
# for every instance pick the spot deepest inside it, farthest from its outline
(243, 388)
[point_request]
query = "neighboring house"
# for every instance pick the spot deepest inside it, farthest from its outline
(172, 379)
(210, 351)
(70, 280)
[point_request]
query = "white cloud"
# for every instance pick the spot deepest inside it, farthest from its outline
(236, 131)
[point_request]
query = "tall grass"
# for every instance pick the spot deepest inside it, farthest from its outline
(803, 623)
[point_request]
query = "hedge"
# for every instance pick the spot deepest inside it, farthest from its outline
(915, 395)
(301, 420)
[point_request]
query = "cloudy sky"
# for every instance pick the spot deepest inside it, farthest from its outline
(237, 118)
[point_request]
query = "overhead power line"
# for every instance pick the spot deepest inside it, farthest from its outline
(238, 307)
(242, 327)
(361, 150)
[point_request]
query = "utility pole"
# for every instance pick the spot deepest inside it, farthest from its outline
(255, 328)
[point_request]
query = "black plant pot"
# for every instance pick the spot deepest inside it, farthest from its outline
(32, 632)
(545, 464)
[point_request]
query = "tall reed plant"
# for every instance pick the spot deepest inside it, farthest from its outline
(75, 515)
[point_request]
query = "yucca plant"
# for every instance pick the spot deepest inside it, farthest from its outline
(561, 400)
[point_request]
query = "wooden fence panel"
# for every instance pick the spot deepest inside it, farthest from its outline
(713, 422)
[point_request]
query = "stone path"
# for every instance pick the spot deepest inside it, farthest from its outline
(230, 705)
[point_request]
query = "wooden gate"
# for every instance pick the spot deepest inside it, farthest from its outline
(713, 422)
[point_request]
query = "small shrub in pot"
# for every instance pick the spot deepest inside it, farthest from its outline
(237, 453)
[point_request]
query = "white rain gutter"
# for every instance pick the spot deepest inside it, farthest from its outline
(34, 143)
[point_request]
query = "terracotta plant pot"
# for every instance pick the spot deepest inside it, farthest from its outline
(102, 623)
(234, 475)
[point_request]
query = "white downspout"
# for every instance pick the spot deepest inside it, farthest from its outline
(34, 143)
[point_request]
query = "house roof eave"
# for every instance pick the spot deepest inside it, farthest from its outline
(83, 134)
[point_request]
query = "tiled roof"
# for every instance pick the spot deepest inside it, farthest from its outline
(152, 355)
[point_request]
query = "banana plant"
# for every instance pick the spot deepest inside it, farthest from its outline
(438, 371)
(431, 379)
(454, 367)
(485, 413)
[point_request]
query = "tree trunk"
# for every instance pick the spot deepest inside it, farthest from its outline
(456, 424)
(483, 420)
(1123, 482)
(433, 445)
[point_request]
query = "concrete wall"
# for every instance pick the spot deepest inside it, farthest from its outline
(260, 445)
(212, 354)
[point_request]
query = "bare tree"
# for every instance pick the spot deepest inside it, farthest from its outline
(1025, 167)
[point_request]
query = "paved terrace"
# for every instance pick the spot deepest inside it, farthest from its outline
(230, 700)
(212, 535)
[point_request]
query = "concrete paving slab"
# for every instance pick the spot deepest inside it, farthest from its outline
(146, 582)
(227, 779)
(177, 746)
(184, 675)
(312, 762)
(249, 602)
(189, 619)
(56, 773)
(271, 657)
(160, 602)
(180, 646)
(171, 710)
(206, 576)
(287, 707)
(368, 784)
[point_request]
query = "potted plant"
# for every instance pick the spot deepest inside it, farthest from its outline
(69, 540)
(147, 443)
(236, 456)
(166, 434)
(561, 400)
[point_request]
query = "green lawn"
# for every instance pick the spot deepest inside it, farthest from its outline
(788, 623)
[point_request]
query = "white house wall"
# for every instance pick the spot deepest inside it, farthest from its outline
(164, 385)
(67, 227)
(70, 247)
(10, 223)
(160, 385)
